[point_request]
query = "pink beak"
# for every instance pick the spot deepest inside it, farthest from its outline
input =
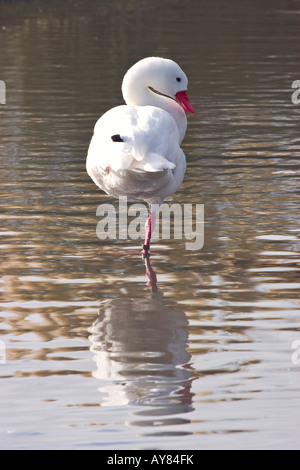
(183, 99)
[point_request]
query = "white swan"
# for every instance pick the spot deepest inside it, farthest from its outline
(135, 150)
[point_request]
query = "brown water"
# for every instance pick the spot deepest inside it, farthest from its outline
(94, 358)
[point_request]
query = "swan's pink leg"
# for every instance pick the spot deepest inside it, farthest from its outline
(149, 228)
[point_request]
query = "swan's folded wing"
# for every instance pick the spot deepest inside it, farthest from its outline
(148, 140)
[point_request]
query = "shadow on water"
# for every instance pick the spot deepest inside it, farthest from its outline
(140, 350)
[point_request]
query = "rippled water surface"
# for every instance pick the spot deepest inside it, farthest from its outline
(200, 348)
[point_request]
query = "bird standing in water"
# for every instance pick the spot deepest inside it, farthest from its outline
(135, 150)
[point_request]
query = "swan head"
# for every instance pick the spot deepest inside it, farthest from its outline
(155, 77)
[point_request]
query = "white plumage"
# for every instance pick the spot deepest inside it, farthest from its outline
(135, 150)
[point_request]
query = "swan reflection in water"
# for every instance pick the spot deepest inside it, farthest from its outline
(140, 351)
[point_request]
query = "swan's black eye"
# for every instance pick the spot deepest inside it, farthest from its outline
(178, 79)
